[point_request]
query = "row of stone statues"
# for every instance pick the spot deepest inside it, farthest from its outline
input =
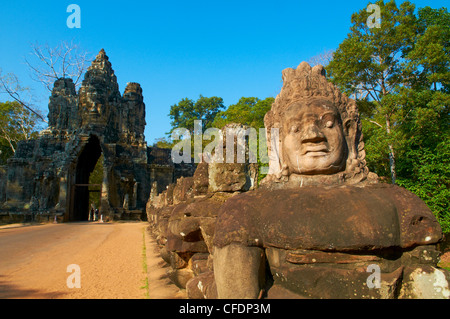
(318, 226)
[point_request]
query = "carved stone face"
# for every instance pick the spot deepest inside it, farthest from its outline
(313, 138)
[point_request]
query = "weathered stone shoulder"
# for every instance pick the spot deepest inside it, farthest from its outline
(344, 218)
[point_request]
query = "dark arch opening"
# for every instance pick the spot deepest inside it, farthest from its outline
(85, 165)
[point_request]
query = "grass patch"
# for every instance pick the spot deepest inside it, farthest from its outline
(144, 265)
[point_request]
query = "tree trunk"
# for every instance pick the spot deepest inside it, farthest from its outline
(392, 163)
(391, 152)
(6, 137)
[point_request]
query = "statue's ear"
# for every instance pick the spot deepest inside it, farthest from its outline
(276, 156)
(349, 127)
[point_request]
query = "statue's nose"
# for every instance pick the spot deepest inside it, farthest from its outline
(312, 134)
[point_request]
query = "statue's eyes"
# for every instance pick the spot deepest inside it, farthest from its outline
(328, 120)
(294, 129)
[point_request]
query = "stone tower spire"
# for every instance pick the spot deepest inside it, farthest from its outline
(101, 62)
(99, 96)
(62, 107)
(133, 113)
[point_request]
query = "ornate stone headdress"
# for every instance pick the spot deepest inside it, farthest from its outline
(304, 84)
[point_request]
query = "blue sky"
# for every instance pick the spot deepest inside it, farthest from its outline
(178, 49)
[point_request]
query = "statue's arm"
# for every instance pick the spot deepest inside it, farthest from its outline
(238, 271)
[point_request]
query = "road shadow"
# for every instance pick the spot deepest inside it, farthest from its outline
(11, 291)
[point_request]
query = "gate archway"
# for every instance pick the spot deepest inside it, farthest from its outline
(87, 160)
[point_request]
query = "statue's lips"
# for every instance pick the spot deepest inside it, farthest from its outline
(318, 150)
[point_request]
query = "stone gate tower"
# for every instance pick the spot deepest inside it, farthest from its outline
(49, 176)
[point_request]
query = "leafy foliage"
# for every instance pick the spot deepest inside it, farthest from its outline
(400, 76)
(184, 113)
(249, 111)
(163, 142)
(96, 177)
(16, 123)
(424, 165)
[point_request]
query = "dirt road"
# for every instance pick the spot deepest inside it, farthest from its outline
(34, 262)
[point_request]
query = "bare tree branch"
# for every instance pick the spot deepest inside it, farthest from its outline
(9, 84)
(49, 64)
(376, 123)
(322, 58)
(7, 137)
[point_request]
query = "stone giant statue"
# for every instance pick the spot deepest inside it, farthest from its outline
(320, 226)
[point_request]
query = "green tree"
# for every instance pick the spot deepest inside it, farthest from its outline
(16, 124)
(424, 165)
(429, 58)
(248, 111)
(163, 142)
(368, 66)
(399, 75)
(96, 177)
(184, 113)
